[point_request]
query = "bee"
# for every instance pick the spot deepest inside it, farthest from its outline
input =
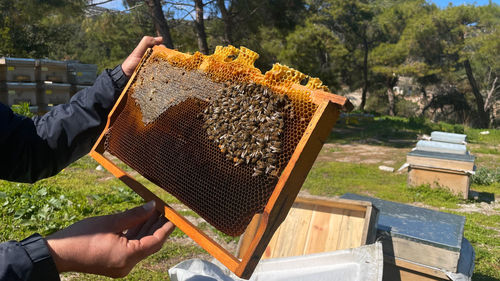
(239, 162)
(257, 173)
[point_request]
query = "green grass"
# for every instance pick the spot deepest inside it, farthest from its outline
(81, 191)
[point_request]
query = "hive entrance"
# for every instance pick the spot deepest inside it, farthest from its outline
(162, 134)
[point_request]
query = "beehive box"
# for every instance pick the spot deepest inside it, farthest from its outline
(223, 138)
(317, 225)
(418, 235)
(54, 93)
(52, 70)
(17, 70)
(82, 74)
(21, 92)
(447, 170)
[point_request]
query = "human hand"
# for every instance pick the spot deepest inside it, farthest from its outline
(128, 66)
(97, 245)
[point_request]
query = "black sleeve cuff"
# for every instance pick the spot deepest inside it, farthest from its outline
(119, 78)
(44, 267)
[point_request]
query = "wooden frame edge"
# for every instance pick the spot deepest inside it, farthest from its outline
(271, 214)
(291, 180)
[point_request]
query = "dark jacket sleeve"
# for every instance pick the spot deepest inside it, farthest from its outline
(32, 149)
(29, 259)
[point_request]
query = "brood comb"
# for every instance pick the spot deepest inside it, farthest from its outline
(226, 140)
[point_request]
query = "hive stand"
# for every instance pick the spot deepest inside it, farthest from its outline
(284, 193)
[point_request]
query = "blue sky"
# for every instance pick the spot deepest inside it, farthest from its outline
(444, 3)
(117, 4)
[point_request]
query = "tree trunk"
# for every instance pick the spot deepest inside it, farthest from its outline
(160, 22)
(226, 18)
(365, 77)
(391, 97)
(483, 115)
(425, 101)
(200, 27)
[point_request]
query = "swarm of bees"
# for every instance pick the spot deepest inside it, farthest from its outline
(247, 122)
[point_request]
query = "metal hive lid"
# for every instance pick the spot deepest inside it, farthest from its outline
(439, 229)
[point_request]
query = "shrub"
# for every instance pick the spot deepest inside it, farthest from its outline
(485, 176)
(406, 108)
(22, 109)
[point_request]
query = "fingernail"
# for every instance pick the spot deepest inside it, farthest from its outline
(149, 206)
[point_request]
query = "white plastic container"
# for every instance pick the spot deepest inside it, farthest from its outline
(364, 263)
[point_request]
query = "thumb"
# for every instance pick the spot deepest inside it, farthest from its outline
(146, 42)
(133, 217)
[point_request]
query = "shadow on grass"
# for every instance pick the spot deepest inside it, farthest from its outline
(477, 196)
(482, 277)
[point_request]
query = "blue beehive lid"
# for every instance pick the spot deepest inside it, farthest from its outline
(422, 225)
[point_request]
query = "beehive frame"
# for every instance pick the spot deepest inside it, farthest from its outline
(282, 197)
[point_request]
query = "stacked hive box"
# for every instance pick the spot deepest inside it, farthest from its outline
(42, 83)
(54, 87)
(18, 78)
(444, 161)
(80, 76)
(421, 244)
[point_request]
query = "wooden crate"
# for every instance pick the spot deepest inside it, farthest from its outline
(17, 70)
(419, 235)
(402, 270)
(82, 74)
(457, 181)
(21, 92)
(54, 93)
(446, 170)
(52, 70)
(316, 225)
(283, 194)
(440, 161)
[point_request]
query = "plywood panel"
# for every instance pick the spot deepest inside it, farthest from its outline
(325, 237)
(458, 183)
(297, 223)
(351, 230)
(321, 230)
(394, 272)
(421, 253)
(315, 226)
(440, 163)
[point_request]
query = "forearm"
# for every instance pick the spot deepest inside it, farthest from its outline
(39, 148)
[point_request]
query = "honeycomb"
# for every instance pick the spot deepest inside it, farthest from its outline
(159, 132)
(247, 122)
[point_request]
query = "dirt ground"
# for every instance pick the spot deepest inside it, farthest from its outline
(394, 157)
(362, 154)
